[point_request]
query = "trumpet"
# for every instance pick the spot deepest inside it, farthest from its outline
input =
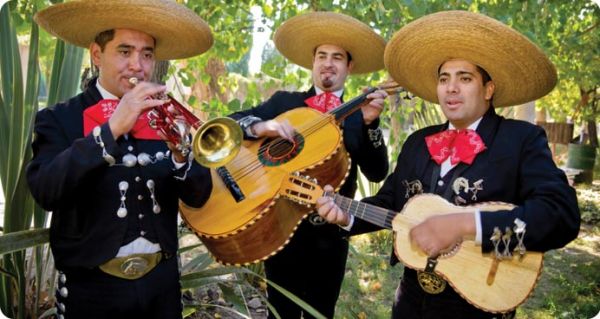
(213, 144)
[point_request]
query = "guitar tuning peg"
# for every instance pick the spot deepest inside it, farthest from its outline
(314, 180)
(297, 174)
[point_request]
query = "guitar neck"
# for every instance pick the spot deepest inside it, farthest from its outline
(375, 215)
(342, 111)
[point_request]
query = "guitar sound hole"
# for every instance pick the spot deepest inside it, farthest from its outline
(281, 149)
(277, 151)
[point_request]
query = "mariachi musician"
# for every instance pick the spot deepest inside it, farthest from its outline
(471, 64)
(112, 184)
(333, 46)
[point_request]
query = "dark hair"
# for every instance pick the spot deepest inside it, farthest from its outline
(347, 53)
(485, 78)
(484, 75)
(104, 37)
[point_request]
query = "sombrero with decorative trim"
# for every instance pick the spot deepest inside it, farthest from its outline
(520, 70)
(298, 37)
(178, 31)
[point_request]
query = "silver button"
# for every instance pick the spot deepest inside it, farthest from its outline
(440, 183)
(140, 216)
(130, 148)
(140, 197)
(142, 233)
(64, 292)
(138, 179)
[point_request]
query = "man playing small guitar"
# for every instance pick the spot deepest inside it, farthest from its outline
(469, 64)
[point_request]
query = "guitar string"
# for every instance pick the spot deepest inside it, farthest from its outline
(254, 162)
(371, 212)
(321, 122)
(247, 168)
(305, 130)
(382, 217)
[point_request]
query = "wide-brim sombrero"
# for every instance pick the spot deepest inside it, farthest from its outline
(178, 31)
(298, 37)
(519, 69)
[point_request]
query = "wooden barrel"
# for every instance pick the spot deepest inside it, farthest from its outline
(583, 157)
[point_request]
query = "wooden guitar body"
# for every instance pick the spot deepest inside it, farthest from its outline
(494, 285)
(262, 223)
(468, 269)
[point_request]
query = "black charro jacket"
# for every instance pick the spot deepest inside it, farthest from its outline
(69, 177)
(516, 168)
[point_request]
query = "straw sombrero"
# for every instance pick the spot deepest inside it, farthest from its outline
(178, 31)
(298, 37)
(520, 70)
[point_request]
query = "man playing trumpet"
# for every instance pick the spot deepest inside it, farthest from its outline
(112, 183)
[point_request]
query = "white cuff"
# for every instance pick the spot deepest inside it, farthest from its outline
(349, 226)
(177, 164)
(478, 227)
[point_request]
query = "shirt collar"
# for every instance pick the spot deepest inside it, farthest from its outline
(473, 126)
(337, 93)
(104, 93)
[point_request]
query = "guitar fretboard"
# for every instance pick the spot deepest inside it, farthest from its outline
(376, 215)
(349, 107)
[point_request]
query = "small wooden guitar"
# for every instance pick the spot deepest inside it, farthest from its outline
(481, 279)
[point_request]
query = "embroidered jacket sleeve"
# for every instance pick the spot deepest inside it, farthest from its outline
(62, 164)
(269, 109)
(366, 146)
(545, 201)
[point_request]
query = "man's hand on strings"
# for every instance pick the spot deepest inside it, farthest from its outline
(327, 209)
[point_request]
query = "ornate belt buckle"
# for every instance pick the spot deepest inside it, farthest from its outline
(134, 266)
(430, 282)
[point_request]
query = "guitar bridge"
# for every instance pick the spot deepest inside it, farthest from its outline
(231, 184)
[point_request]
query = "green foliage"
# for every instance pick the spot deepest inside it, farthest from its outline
(236, 284)
(19, 98)
(370, 282)
(566, 30)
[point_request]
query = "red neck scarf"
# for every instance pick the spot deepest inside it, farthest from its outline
(103, 110)
(459, 145)
(323, 102)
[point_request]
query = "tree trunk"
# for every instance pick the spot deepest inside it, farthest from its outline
(160, 72)
(592, 133)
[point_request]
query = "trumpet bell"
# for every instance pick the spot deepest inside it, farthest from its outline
(217, 142)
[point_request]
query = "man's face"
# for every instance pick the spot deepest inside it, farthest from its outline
(330, 67)
(461, 93)
(129, 54)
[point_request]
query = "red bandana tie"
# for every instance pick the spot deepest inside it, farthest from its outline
(103, 110)
(323, 102)
(459, 145)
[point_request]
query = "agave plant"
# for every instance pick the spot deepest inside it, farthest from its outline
(24, 271)
(237, 284)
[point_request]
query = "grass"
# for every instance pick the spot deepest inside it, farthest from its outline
(569, 286)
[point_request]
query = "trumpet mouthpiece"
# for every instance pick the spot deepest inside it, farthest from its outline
(134, 80)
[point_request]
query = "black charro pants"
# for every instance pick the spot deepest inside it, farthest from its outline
(311, 267)
(92, 293)
(412, 302)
